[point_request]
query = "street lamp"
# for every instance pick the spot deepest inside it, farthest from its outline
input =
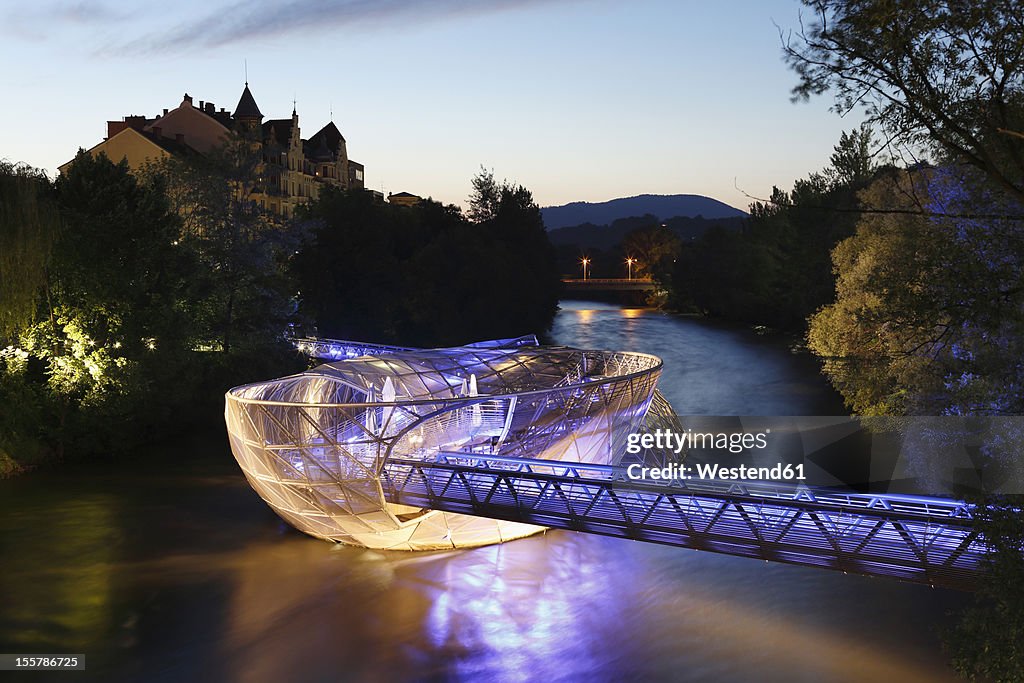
(584, 261)
(629, 264)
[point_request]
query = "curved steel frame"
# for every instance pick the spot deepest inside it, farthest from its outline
(315, 445)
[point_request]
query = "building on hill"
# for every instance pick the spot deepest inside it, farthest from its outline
(293, 169)
(404, 199)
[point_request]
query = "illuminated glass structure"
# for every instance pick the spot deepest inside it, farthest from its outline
(315, 445)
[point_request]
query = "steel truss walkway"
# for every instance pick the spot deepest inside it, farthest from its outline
(924, 540)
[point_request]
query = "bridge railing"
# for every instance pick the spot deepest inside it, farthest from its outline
(607, 280)
(925, 507)
(926, 540)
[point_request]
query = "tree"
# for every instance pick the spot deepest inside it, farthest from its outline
(485, 199)
(852, 159)
(352, 268)
(425, 275)
(929, 311)
(114, 285)
(989, 639)
(28, 226)
(243, 294)
(777, 270)
(118, 263)
(726, 274)
(655, 249)
(931, 73)
(509, 215)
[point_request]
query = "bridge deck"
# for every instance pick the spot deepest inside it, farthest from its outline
(609, 284)
(924, 540)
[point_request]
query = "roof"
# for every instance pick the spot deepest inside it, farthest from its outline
(279, 129)
(329, 135)
(202, 132)
(168, 144)
(221, 117)
(316, 149)
(247, 105)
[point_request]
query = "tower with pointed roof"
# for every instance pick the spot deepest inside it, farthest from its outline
(247, 115)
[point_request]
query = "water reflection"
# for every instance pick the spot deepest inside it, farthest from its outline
(710, 369)
(172, 569)
(46, 595)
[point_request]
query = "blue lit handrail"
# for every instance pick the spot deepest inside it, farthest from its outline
(924, 507)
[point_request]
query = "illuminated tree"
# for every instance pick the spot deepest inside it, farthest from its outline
(929, 311)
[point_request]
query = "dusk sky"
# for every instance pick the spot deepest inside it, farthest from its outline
(575, 99)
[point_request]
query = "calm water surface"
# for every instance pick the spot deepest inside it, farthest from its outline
(171, 569)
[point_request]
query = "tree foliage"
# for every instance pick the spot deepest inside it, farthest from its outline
(944, 74)
(242, 291)
(117, 262)
(113, 287)
(28, 227)
(777, 270)
(989, 639)
(929, 311)
(106, 349)
(929, 315)
(426, 275)
(526, 283)
(655, 249)
(852, 159)
(485, 199)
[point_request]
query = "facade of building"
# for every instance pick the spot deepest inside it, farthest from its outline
(404, 199)
(293, 169)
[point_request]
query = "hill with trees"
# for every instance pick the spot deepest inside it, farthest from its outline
(661, 206)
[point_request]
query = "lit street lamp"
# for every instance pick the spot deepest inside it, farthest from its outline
(584, 261)
(629, 264)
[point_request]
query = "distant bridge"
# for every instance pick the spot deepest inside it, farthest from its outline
(609, 284)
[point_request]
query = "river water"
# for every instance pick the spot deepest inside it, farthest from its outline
(169, 568)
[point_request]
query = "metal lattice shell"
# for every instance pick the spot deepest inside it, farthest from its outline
(314, 445)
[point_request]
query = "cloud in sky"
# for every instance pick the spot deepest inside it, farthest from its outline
(41, 21)
(271, 19)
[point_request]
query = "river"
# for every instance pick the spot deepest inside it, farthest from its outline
(169, 568)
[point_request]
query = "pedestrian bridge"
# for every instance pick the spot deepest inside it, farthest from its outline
(636, 284)
(918, 539)
(425, 449)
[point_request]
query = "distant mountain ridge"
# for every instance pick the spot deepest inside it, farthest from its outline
(661, 205)
(590, 236)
